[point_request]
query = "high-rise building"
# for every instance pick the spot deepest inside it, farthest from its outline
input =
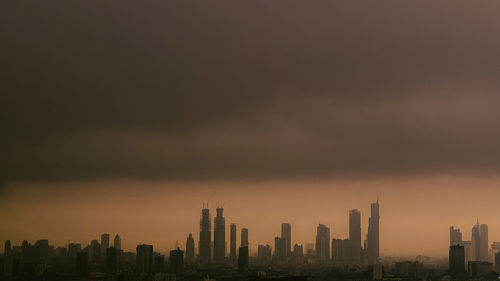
(279, 248)
(159, 263)
(455, 236)
(190, 249)
(244, 237)
(176, 261)
(232, 243)
(322, 244)
(73, 249)
(497, 262)
(355, 234)
(298, 254)
(243, 260)
(264, 254)
(117, 243)
(111, 259)
(204, 245)
(94, 251)
(480, 242)
(469, 251)
(457, 260)
(219, 236)
(286, 235)
(144, 257)
(373, 241)
(104, 243)
(7, 249)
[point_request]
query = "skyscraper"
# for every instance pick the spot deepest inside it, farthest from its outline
(111, 259)
(455, 236)
(244, 237)
(232, 244)
(279, 248)
(355, 234)
(457, 260)
(82, 263)
(144, 259)
(219, 236)
(286, 235)
(117, 243)
(190, 249)
(243, 260)
(373, 234)
(480, 242)
(204, 246)
(322, 244)
(264, 254)
(104, 243)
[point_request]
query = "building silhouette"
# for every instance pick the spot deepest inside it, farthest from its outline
(455, 236)
(232, 243)
(111, 259)
(176, 261)
(159, 264)
(322, 244)
(373, 235)
(286, 235)
(244, 237)
(7, 249)
(144, 258)
(480, 242)
(243, 260)
(104, 243)
(190, 249)
(219, 236)
(280, 248)
(355, 234)
(82, 263)
(264, 254)
(117, 243)
(204, 245)
(497, 262)
(457, 260)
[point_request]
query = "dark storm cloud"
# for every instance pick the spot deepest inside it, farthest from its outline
(248, 90)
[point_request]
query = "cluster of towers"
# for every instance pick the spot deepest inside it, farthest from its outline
(477, 248)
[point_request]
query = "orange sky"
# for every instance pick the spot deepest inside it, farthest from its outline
(415, 213)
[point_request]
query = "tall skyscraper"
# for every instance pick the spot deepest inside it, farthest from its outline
(373, 234)
(457, 260)
(190, 249)
(322, 244)
(286, 235)
(355, 234)
(243, 260)
(232, 243)
(204, 246)
(244, 237)
(480, 242)
(144, 259)
(279, 248)
(117, 243)
(104, 243)
(219, 236)
(455, 236)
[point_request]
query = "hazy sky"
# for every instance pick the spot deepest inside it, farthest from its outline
(288, 100)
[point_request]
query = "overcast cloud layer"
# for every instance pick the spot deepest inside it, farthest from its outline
(248, 90)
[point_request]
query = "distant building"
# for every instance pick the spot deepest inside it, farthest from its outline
(376, 271)
(497, 262)
(469, 251)
(111, 259)
(244, 237)
(117, 243)
(298, 254)
(286, 235)
(159, 263)
(204, 245)
(455, 236)
(457, 260)
(322, 244)
(190, 249)
(243, 260)
(373, 242)
(264, 254)
(479, 268)
(73, 249)
(355, 234)
(104, 243)
(144, 258)
(82, 263)
(232, 243)
(219, 236)
(94, 251)
(342, 250)
(280, 248)
(176, 261)
(7, 249)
